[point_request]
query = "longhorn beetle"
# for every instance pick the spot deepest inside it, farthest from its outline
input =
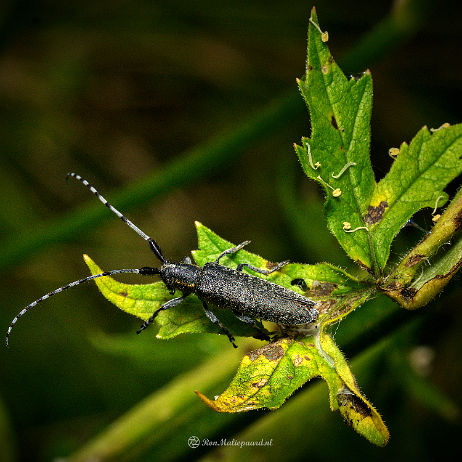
(219, 285)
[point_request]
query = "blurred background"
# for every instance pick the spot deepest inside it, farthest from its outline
(181, 111)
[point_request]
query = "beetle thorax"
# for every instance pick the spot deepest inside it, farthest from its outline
(180, 276)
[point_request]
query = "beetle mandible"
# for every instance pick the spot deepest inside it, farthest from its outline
(248, 296)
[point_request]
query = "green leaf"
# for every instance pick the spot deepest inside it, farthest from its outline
(142, 300)
(340, 112)
(321, 279)
(268, 375)
(354, 407)
(416, 180)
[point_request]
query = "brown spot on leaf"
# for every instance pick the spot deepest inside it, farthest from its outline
(375, 214)
(333, 122)
(321, 289)
(408, 293)
(324, 306)
(123, 293)
(414, 260)
(261, 383)
(272, 352)
(364, 267)
(354, 403)
(297, 360)
(392, 287)
(458, 220)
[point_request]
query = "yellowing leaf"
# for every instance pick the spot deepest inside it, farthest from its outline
(268, 375)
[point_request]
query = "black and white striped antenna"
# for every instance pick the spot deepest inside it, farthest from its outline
(143, 271)
(152, 243)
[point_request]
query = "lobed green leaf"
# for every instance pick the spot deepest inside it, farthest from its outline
(337, 156)
(340, 110)
(416, 180)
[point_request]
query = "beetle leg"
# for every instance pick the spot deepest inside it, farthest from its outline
(262, 271)
(170, 304)
(249, 320)
(232, 250)
(215, 320)
(244, 318)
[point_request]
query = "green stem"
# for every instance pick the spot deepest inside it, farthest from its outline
(194, 164)
(155, 419)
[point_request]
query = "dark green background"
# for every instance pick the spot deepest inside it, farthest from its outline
(117, 91)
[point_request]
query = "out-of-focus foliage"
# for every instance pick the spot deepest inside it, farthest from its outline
(117, 91)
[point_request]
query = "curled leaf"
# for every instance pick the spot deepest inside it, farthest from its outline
(425, 271)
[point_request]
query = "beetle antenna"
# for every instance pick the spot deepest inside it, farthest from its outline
(152, 243)
(143, 271)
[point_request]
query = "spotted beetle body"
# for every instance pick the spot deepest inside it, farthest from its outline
(247, 294)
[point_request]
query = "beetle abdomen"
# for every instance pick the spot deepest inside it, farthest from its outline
(228, 288)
